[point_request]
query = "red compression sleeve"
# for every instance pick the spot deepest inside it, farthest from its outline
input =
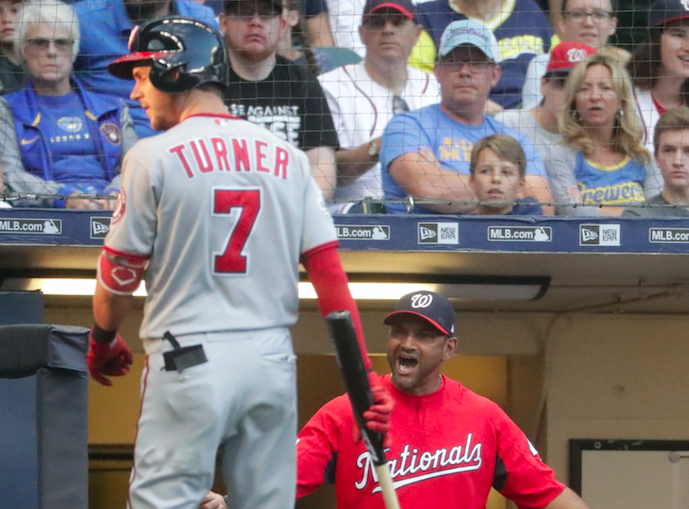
(328, 278)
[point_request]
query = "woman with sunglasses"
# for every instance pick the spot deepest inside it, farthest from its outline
(660, 65)
(60, 139)
(600, 165)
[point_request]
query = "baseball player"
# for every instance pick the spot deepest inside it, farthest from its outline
(448, 445)
(217, 213)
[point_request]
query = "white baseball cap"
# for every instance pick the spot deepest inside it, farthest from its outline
(472, 32)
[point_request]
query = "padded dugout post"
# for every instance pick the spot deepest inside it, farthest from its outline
(43, 417)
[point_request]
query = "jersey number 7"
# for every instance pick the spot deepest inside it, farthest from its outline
(233, 260)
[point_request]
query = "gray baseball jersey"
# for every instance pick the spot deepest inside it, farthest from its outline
(223, 209)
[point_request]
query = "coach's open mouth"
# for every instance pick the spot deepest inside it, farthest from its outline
(406, 364)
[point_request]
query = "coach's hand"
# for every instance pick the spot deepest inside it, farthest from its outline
(378, 415)
(108, 359)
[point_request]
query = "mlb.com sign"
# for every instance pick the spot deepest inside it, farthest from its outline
(31, 226)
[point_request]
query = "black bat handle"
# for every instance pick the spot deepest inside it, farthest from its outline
(343, 335)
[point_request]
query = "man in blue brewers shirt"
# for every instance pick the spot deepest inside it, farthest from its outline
(425, 153)
(105, 28)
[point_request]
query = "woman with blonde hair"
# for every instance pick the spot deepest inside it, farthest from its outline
(600, 165)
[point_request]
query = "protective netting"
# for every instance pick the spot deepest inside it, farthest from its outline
(394, 116)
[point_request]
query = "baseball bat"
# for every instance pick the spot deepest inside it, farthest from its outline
(343, 336)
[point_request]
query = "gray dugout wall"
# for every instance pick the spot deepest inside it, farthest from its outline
(43, 408)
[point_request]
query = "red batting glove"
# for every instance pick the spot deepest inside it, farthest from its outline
(108, 359)
(378, 415)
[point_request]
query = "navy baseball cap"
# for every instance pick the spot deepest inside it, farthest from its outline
(406, 7)
(666, 11)
(277, 4)
(431, 306)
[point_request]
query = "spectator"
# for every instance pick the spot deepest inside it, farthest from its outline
(601, 160)
(434, 417)
(295, 46)
(364, 97)
(540, 123)
(105, 29)
(589, 22)
(521, 28)
(658, 66)
(334, 23)
(12, 75)
(3, 203)
(268, 90)
(498, 168)
(71, 140)
(425, 153)
(671, 144)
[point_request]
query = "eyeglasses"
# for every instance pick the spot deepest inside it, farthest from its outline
(474, 67)
(399, 105)
(250, 10)
(61, 45)
(598, 16)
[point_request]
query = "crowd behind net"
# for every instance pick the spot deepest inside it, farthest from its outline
(564, 113)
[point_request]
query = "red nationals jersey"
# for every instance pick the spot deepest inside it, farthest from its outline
(448, 449)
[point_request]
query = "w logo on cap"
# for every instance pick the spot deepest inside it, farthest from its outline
(579, 54)
(421, 300)
(685, 4)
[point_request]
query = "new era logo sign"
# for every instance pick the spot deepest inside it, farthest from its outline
(100, 226)
(599, 235)
(438, 233)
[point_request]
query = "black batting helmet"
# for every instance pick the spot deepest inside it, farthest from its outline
(183, 53)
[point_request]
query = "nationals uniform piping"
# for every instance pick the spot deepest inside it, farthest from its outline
(222, 212)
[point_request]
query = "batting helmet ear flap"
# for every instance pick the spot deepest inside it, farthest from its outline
(172, 79)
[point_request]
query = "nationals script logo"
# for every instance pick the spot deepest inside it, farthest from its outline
(415, 466)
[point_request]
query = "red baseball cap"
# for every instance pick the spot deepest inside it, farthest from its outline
(567, 55)
(406, 7)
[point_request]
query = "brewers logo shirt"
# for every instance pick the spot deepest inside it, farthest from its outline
(289, 103)
(522, 32)
(448, 449)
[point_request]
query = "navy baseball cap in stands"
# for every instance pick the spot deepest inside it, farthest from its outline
(433, 307)
(406, 7)
(277, 4)
(666, 11)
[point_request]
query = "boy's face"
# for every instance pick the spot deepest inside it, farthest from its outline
(672, 158)
(8, 19)
(496, 180)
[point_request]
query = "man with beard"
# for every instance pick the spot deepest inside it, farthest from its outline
(106, 26)
(267, 89)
